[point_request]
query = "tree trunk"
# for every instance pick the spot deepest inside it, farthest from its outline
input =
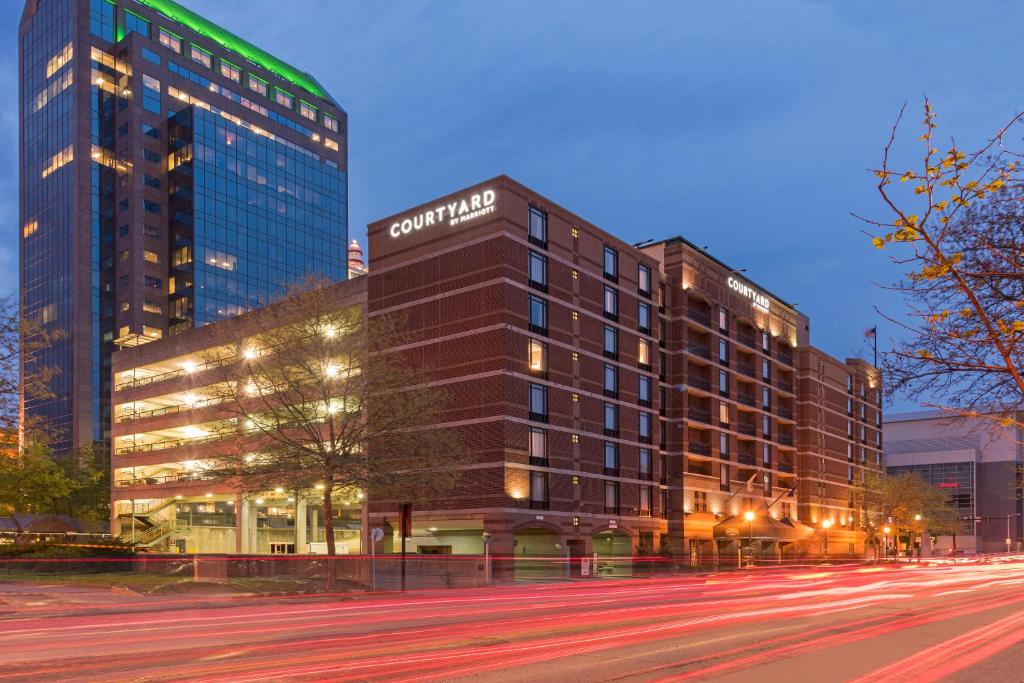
(329, 532)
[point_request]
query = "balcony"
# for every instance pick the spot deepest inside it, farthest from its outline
(745, 369)
(696, 315)
(698, 447)
(165, 479)
(698, 350)
(748, 428)
(170, 443)
(784, 467)
(746, 399)
(785, 357)
(746, 338)
(785, 413)
(785, 439)
(699, 415)
(164, 410)
(785, 385)
(746, 459)
(181, 372)
(698, 382)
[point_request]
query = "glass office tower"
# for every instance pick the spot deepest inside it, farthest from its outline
(172, 174)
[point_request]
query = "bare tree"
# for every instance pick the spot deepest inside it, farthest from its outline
(328, 403)
(955, 227)
(21, 339)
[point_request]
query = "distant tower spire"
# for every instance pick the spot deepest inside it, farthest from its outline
(356, 266)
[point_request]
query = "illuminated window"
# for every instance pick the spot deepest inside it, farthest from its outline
(200, 56)
(538, 356)
(258, 85)
(307, 110)
(331, 123)
(723, 319)
(611, 302)
(723, 413)
(644, 463)
(283, 98)
(643, 353)
(59, 160)
(611, 497)
(230, 71)
(151, 307)
(151, 256)
(538, 489)
(169, 40)
(645, 501)
(30, 228)
(59, 60)
(538, 445)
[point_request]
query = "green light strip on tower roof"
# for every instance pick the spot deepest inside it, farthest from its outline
(230, 41)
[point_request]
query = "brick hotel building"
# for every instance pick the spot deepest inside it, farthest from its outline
(612, 399)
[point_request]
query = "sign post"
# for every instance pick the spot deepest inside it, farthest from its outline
(487, 557)
(376, 534)
(405, 513)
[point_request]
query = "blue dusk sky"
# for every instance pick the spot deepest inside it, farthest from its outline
(743, 125)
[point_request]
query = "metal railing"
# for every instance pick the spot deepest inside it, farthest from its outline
(699, 316)
(748, 428)
(170, 443)
(699, 415)
(699, 350)
(166, 410)
(745, 369)
(784, 439)
(164, 479)
(698, 447)
(170, 374)
(699, 382)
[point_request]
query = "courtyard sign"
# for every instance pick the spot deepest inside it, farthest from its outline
(757, 299)
(456, 212)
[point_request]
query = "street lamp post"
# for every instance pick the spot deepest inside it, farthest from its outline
(749, 516)
(886, 530)
(825, 524)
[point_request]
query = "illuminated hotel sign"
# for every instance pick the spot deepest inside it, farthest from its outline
(457, 212)
(757, 299)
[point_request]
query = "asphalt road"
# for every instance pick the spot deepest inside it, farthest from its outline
(962, 622)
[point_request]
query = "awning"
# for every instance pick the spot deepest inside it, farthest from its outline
(762, 528)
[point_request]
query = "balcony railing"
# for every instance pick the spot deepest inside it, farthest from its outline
(165, 410)
(746, 459)
(698, 382)
(150, 379)
(170, 443)
(698, 447)
(785, 357)
(784, 439)
(699, 350)
(784, 467)
(786, 413)
(745, 369)
(746, 338)
(785, 385)
(748, 428)
(164, 479)
(699, 415)
(699, 316)
(746, 399)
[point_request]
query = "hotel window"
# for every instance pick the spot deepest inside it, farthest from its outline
(766, 455)
(723, 319)
(611, 380)
(723, 413)
(723, 383)
(863, 412)
(169, 40)
(611, 458)
(538, 227)
(764, 341)
(644, 463)
(200, 56)
(611, 303)
(849, 406)
(849, 452)
(644, 390)
(863, 435)
(723, 445)
(700, 501)
(644, 427)
(538, 402)
(538, 354)
(611, 419)
(849, 474)
(307, 110)
(538, 314)
(283, 98)
(645, 501)
(611, 263)
(643, 353)
(152, 282)
(538, 446)
(766, 426)
(849, 383)
(766, 370)
(611, 497)
(258, 85)
(539, 490)
(643, 317)
(643, 278)
(331, 123)
(723, 477)
(611, 341)
(661, 297)
(766, 398)
(133, 23)
(538, 270)
(766, 484)
(230, 71)
(723, 352)
(849, 429)
(863, 455)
